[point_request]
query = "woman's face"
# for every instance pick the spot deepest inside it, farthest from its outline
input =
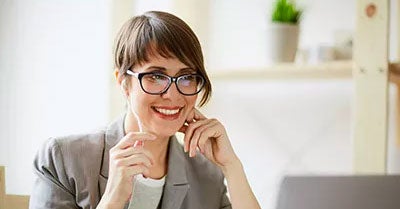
(162, 114)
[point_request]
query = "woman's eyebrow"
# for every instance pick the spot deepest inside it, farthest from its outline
(187, 69)
(156, 68)
(182, 70)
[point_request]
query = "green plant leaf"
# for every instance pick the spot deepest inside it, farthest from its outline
(285, 11)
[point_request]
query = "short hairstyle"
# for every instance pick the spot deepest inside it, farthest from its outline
(161, 33)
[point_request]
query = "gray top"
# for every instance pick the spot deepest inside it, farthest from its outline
(146, 193)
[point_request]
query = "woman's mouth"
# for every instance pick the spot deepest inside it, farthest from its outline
(168, 113)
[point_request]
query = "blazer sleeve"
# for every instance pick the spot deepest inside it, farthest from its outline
(52, 187)
(225, 202)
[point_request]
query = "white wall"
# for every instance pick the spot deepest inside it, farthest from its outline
(239, 29)
(54, 65)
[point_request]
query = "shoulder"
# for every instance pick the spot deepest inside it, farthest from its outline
(80, 144)
(71, 154)
(67, 166)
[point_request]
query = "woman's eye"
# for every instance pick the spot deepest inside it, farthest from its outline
(189, 78)
(158, 77)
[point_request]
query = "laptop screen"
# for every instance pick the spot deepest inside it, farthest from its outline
(339, 192)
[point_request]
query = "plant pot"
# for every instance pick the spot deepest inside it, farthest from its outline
(282, 42)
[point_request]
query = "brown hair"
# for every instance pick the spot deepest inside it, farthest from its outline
(161, 33)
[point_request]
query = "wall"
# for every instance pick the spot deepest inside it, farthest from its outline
(54, 68)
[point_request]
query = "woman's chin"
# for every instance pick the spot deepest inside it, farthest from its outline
(163, 131)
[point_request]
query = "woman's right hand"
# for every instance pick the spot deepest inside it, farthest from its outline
(125, 162)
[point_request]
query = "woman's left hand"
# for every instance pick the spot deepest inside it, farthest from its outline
(210, 137)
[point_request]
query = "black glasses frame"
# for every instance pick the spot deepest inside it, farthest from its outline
(171, 79)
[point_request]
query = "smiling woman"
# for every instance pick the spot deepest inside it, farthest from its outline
(159, 65)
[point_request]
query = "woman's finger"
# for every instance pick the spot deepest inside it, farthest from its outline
(208, 150)
(198, 115)
(134, 160)
(189, 132)
(129, 139)
(192, 117)
(122, 153)
(198, 133)
(136, 169)
(183, 128)
(205, 135)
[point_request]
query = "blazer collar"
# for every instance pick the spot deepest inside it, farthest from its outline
(114, 132)
(176, 185)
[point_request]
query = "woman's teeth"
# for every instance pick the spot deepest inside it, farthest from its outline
(167, 112)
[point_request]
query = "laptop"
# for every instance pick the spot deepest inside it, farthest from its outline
(339, 192)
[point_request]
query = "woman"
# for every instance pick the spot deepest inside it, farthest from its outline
(137, 162)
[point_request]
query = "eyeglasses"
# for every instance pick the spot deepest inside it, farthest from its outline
(157, 83)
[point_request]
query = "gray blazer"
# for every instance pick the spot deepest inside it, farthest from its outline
(72, 172)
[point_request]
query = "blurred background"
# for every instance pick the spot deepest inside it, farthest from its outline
(56, 78)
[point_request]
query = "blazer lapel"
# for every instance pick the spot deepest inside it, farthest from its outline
(174, 196)
(115, 131)
(176, 186)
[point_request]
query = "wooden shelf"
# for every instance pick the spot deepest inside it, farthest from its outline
(328, 70)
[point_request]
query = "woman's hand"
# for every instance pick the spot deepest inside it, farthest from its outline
(210, 137)
(126, 161)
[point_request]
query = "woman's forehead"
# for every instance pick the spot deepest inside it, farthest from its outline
(170, 64)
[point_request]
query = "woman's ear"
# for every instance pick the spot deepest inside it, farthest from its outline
(121, 82)
(117, 77)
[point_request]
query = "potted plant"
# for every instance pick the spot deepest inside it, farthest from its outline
(284, 31)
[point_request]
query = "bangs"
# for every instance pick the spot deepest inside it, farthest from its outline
(154, 38)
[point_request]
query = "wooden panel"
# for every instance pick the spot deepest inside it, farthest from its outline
(2, 187)
(17, 202)
(398, 114)
(328, 70)
(394, 77)
(11, 201)
(371, 86)
(121, 11)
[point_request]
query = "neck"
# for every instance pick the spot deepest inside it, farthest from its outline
(158, 147)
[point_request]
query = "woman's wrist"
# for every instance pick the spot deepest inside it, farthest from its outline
(232, 168)
(105, 203)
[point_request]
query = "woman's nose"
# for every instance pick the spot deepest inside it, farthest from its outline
(172, 92)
